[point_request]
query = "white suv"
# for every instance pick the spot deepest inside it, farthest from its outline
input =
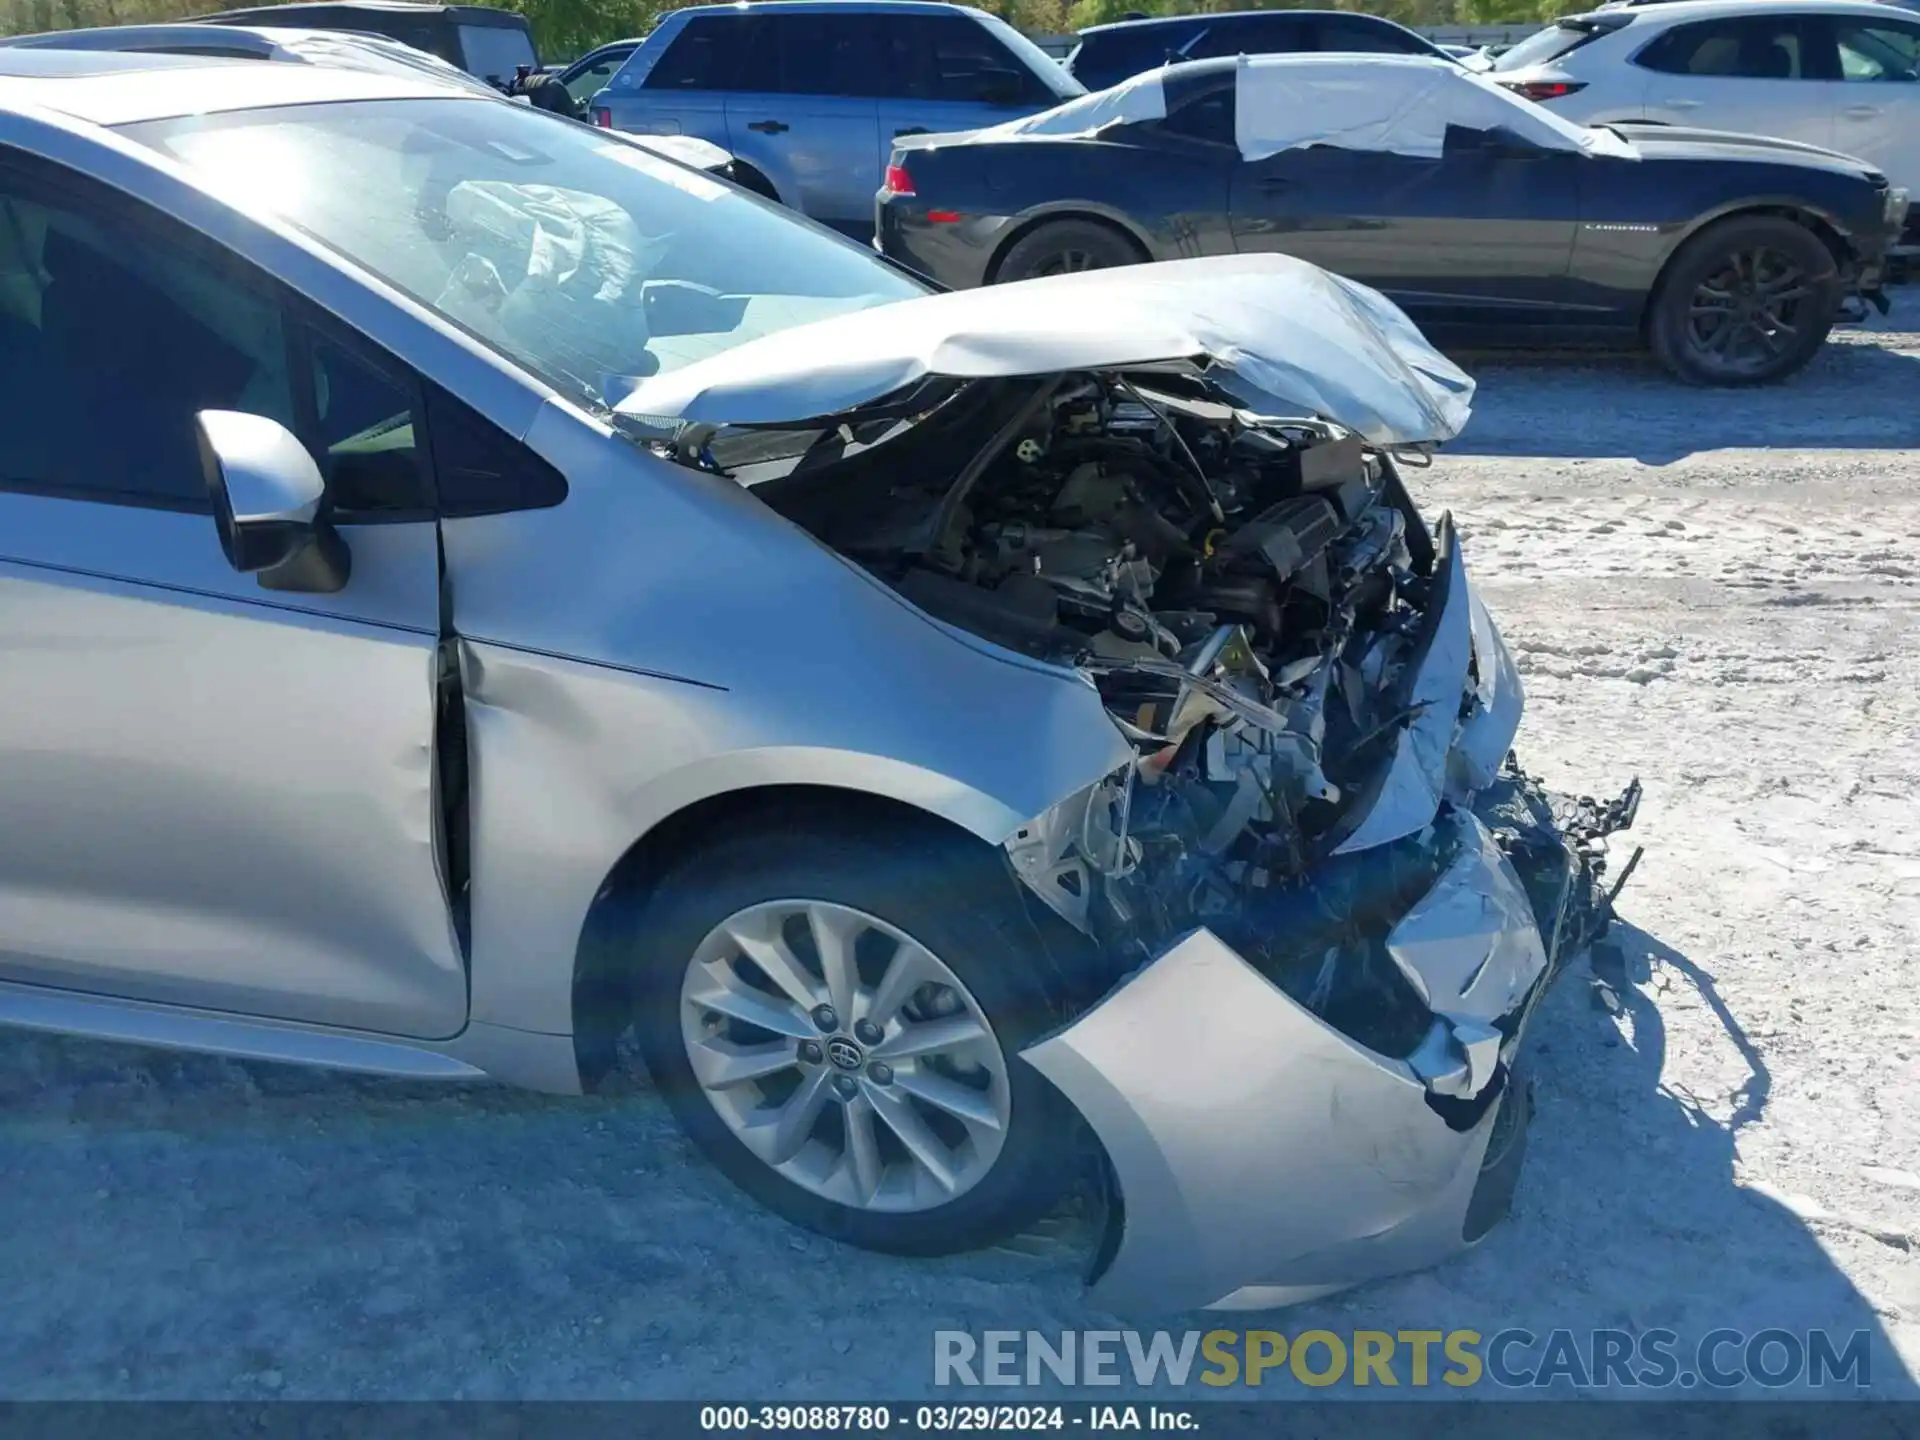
(1840, 74)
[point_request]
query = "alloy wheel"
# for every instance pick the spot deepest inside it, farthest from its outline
(845, 1055)
(1066, 262)
(1747, 313)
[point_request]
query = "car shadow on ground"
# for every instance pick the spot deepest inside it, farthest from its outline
(1632, 1213)
(188, 1227)
(1858, 394)
(1631, 1217)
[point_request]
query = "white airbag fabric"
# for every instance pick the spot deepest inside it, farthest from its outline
(547, 266)
(1131, 102)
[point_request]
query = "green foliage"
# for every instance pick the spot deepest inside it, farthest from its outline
(566, 28)
(1407, 12)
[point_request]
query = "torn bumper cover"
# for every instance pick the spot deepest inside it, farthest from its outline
(1267, 1146)
(1261, 1156)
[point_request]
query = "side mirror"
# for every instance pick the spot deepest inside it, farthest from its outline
(267, 497)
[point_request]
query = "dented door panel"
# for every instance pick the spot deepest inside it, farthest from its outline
(215, 795)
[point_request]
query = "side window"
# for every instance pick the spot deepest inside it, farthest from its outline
(933, 57)
(495, 52)
(703, 56)
(114, 336)
(1357, 36)
(815, 53)
(1872, 50)
(481, 469)
(109, 344)
(1266, 35)
(1208, 118)
(1753, 48)
(1106, 59)
(360, 426)
(592, 80)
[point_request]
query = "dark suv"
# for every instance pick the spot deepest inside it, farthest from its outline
(1108, 54)
(492, 44)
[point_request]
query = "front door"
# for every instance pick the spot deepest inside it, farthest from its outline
(1877, 99)
(213, 794)
(1479, 237)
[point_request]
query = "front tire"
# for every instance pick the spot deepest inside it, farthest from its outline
(835, 1020)
(1061, 247)
(1748, 301)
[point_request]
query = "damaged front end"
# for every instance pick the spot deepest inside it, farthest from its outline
(1321, 897)
(1326, 897)
(1333, 891)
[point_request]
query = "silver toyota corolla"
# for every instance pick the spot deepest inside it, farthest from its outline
(470, 586)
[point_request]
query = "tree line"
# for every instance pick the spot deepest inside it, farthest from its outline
(565, 28)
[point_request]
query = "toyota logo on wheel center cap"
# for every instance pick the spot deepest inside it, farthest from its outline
(844, 1053)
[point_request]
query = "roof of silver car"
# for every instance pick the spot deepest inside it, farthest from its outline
(117, 88)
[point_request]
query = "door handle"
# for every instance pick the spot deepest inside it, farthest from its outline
(910, 130)
(769, 127)
(1683, 104)
(1861, 112)
(1274, 183)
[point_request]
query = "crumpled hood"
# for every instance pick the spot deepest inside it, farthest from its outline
(1274, 334)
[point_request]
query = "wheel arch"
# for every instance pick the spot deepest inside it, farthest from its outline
(749, 176)
(1080, 210)
(600, 995)
(1821, 224)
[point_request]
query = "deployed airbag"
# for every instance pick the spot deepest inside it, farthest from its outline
(537, 252)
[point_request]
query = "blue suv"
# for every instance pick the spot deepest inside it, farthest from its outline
(811, 94)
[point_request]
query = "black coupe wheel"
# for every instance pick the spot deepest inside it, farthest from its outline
(1746, 302)
(1064, 246)
(835, 1018)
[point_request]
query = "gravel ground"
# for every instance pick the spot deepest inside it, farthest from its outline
(1715, 591)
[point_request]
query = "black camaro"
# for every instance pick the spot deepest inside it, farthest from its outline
(1488, 219)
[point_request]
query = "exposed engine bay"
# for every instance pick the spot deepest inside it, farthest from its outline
(1321, 789)
(1254, 598)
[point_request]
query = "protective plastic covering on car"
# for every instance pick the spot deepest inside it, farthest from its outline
(1401, 104)
(1140, 98)
(1273, 333)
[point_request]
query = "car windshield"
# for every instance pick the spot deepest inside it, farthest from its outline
(581, 256)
